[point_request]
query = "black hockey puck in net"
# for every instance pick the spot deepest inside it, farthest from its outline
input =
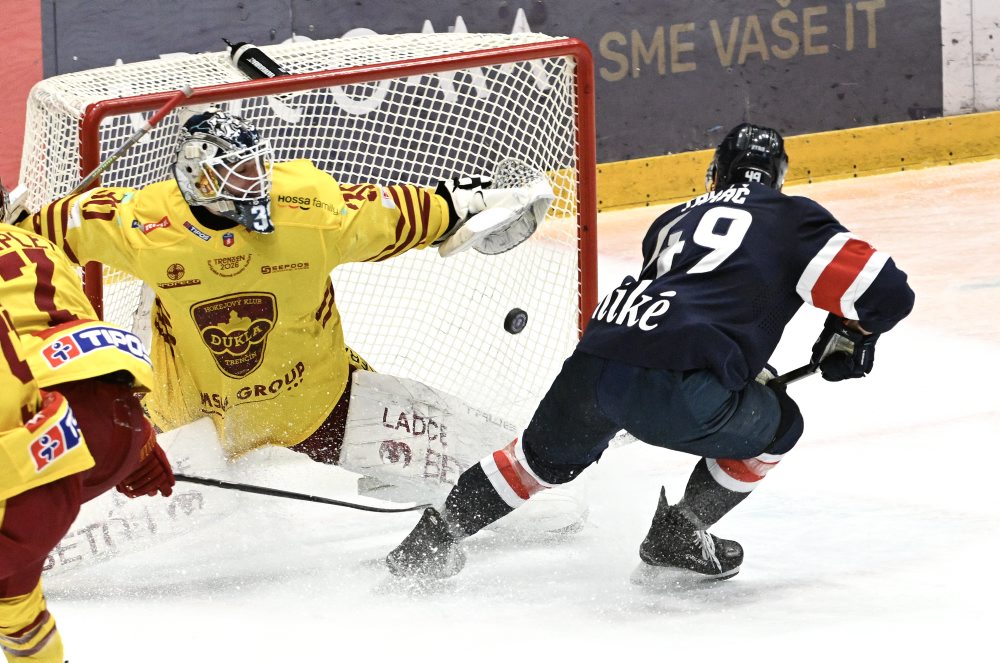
(516, 321)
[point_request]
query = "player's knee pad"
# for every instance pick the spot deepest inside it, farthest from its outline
(27, 630)
(790, 425)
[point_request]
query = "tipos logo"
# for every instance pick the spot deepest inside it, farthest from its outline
(235, 329)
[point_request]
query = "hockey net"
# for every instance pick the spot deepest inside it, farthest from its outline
(384, 109)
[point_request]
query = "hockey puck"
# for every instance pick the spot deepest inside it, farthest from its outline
(516, 321)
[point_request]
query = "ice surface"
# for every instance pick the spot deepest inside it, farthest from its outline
(874, 539)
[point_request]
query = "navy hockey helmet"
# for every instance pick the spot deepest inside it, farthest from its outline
(225, 166)
(748, 153)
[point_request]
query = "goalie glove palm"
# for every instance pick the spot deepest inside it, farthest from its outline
(841, 353)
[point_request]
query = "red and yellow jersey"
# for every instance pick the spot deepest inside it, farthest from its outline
(40, 440)
(61, 336)
(245, 325)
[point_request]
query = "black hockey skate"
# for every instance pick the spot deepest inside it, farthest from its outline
(429, 551)
(674, 542)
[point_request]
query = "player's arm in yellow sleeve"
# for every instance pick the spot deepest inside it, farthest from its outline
(89, 226)
(385, 221)
(461, 213)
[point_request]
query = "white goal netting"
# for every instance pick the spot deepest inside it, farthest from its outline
(419, 316)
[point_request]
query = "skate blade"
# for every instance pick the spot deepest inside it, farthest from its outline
(672, 577)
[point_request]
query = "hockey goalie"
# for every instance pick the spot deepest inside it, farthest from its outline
(245, 326)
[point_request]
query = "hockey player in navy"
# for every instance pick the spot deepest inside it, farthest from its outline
(677, 356)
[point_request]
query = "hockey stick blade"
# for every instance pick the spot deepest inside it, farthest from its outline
(274, 492)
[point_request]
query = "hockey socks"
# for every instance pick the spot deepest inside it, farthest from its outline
(716, 486)
(473, 503)
(491, 489)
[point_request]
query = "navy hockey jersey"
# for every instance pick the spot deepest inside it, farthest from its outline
(725, 272)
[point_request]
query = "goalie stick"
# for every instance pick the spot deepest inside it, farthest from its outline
(175, 99)
(273, 492)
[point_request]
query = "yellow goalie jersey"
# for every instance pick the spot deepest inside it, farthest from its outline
(246, 329)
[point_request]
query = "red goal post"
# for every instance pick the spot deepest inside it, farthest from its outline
(392, 108)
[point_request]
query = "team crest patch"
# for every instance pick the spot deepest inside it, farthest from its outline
(235, 328)
(228, 239)
(76, 344)
(55, 442)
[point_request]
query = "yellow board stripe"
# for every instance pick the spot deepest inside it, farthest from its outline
(830, 155)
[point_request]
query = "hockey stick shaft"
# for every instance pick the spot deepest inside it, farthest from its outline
(274, 492)
(796, 374)
(179, 96)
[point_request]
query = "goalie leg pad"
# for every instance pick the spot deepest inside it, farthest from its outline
(405, 433)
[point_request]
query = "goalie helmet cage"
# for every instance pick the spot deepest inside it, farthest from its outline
(411, 108)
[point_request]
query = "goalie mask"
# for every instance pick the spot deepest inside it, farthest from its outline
(224, 166)
(748, 153)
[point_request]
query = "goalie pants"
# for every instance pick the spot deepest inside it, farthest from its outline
(593, 398)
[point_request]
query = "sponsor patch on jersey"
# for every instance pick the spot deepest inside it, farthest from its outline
(229, 265)
(228, 239)
(167, 285)
(197, 233)
(76, 344)
(175, 272)
(287, 267)
(55, 442)
(387, 200)
(149, 227)
(293, 202)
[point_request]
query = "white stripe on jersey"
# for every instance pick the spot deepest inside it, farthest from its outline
(860, 284)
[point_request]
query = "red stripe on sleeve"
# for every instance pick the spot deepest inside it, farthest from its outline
(399, 245)
(838, 276)
(425, 213)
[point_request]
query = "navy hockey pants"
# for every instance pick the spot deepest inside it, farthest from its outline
(593, 398)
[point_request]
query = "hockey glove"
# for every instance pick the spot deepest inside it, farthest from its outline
(153, 474)
(464, 196)
(841, 353)
(494, 219)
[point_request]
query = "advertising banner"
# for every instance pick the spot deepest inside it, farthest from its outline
(671, 76)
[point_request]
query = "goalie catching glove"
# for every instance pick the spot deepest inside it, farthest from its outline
(841, 352)
(493, 215)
